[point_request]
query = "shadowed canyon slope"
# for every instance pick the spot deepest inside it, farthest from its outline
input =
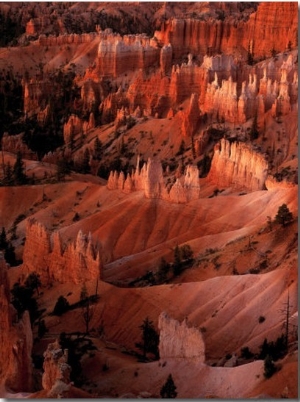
(149, 199)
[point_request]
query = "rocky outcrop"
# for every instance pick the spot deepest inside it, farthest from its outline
(14, 144)
(274, 24)
(239, 166)
(178, 340)
(66, 39)
(150, 180)
(56, 376)
(15, 340)
(119, 54)
(53, 261)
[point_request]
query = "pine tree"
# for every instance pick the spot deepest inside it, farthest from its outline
(150, 339)
(97, 149)
(177, 261)
(85, 168)
(284, 215)
(19, 170)
(168, 390)
(269, 367)
(3, 239)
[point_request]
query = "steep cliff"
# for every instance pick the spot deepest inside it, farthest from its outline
(75, 262)
(15, 341)
(273, 25)
(239, 166)
(178, 340)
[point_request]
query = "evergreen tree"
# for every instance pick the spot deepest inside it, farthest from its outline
(168, 390)
(19, 175)
(150, 339)
(269, 367)
(284, 215)
(163, 270)
(254, 130)
(61, 306)
(86, 168)
(3, 239)
(9, 255)
(33, 281)
(177, 261)
(8, 175)
(97, 149)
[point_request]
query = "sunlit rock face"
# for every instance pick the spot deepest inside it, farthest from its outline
(178, 340)
(55, 366)
(53, 261)
(15, 340)
(150, 180)
(274, 23)
(238, 166)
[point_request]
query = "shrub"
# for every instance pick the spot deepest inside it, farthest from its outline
(284, 216)
(269, 367)
(246, 353)
(61, 306)
(261, 319)
(168, 390)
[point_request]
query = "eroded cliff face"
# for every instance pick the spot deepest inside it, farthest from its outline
(273, 24)
(15, 340)
(56, 376)
(150, 180)
(53, 261)
(239, 166)
(178, 340)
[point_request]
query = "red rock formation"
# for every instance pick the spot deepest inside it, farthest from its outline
(273, 25)
(15, 341)
(56, 370)
(238, 166)
(45, 254)
(178, 340)
(150, 180)
(14, 143)
(191, 117)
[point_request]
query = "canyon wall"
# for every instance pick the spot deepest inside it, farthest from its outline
(150, 180)
(15, 340)
(273, 25)
(178, 340)
(46, 255)
(239, 166)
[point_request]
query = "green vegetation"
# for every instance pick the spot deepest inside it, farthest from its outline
(269, 367)
(168, 390)
(150, 339)
(284, 216)
(61, 306)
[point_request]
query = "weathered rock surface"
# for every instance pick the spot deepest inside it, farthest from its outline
(150, 180)
(238, 166)
(45, 254)
(274, 23)
(177, 340)
(56, 370)
(15, 341)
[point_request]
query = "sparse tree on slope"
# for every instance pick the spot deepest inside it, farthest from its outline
(168, 390)
(284, 216)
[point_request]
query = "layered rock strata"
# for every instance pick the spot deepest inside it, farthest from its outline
(274, 24)
(53, 261)
(238, 166)
(15, 340)
(178, 340)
